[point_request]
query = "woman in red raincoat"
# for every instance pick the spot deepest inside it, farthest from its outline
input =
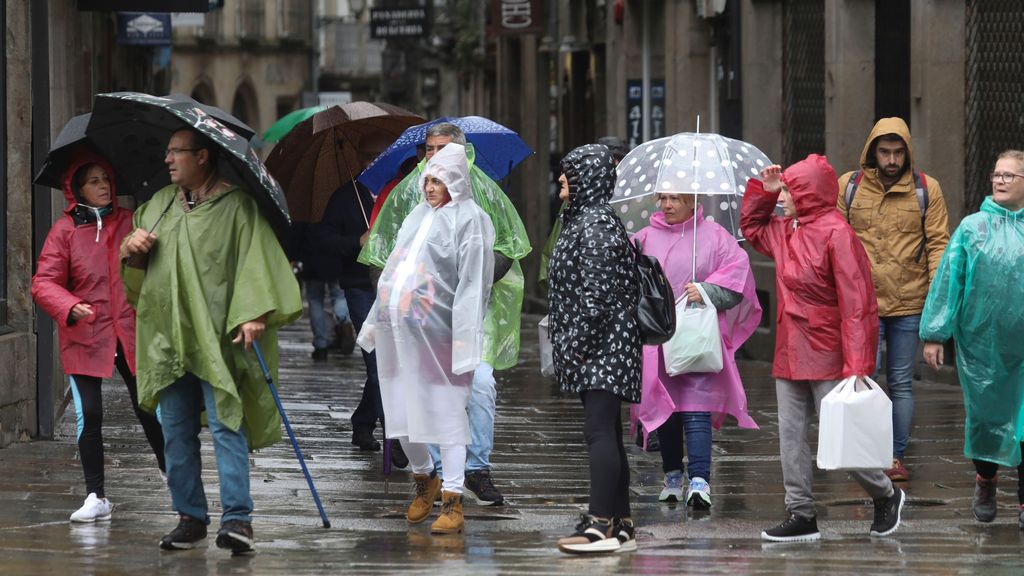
(826, 329)
(77, 282)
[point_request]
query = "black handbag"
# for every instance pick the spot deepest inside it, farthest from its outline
(656, 308)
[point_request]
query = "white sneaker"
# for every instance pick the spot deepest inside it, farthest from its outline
(93, 509)
(698, 495)
(673, 490)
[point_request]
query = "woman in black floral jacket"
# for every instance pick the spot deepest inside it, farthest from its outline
(596, 339)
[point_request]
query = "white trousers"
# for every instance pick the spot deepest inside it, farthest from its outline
(453, 462)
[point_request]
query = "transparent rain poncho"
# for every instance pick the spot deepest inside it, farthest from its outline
(501, 327)
(976, 298)
(427, 324)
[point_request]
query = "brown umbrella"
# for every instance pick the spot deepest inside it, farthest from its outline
(322, 152)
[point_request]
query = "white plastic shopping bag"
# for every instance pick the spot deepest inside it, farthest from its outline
(547, 362)
(855, 427)
(696, 345)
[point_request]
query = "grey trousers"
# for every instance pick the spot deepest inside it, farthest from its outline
(798, 402)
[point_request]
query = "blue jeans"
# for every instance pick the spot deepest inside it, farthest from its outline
(181, 405)
(901, 342)
(370, 409)
(697, 428)
(482, 404)
(315, 290)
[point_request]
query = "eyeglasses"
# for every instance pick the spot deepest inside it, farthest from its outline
(178, 151)
(1003, 177)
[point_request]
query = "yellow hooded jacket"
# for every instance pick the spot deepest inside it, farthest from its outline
(888, 223)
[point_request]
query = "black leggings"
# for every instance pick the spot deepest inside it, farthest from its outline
(609, 468)
(88, 392)
(987, 470)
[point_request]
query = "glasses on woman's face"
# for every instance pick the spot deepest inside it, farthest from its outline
(1003, 177)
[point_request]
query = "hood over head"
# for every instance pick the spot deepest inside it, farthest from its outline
(590, 170)
(80, 157)
(893, 125)
(449, 165)
(813, 185)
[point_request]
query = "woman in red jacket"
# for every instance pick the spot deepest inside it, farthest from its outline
(77, 283)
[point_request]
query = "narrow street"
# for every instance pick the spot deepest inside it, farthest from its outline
(540, 465)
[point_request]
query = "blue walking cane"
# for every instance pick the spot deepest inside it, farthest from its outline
(291, 435)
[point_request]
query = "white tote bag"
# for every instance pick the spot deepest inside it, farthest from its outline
(855, 427)
(696, 345)
(547, 362)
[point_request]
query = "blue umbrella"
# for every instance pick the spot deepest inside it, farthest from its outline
(498, 149)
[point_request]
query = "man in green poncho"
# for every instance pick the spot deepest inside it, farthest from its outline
(501, 323)
(211, 278)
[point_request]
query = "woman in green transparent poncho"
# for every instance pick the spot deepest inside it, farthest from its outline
(976, 299)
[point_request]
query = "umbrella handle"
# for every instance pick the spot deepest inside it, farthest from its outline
(166, 208)
(291, 435)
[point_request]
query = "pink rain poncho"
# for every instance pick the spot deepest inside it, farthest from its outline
(427, 323)
(722, 262)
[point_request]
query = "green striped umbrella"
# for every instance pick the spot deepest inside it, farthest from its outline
(283, 126)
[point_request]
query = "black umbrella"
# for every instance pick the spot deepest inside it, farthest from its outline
(132, 129)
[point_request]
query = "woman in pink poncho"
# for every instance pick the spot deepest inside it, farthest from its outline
(696, 402)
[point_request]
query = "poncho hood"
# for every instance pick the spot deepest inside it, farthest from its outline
(989, 206)
(813, 185)
(450, 165)
(590, 171)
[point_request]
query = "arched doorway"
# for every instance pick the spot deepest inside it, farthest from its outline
(245, 105)
(203, 93)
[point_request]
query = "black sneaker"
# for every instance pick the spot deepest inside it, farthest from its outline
(887, 513)
(319, 354)
(984, 504)
(653, 444)
(236, 535)
(592, 536)
(398, 457)
(478, 484)
(365, 440)
(793, 529)
(189, 533)
(623, 529)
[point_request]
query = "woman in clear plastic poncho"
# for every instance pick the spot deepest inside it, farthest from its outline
(427, 325)
(976, 300)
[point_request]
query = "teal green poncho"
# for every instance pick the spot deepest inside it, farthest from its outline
(976, 299)
(501, 324)
(210, 271)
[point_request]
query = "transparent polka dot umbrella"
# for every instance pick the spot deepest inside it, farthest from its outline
(713, 167)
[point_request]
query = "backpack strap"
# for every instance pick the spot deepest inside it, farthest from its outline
(921, 191)
(851, 190)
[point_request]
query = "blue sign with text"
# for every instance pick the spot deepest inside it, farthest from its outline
(144, 28)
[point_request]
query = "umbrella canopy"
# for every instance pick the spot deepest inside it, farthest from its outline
(132, 130)
(71, 137)
(712, 166)
(285, 124)
(322, 152)
(498, 149)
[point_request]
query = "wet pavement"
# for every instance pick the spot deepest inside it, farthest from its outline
(540, 465)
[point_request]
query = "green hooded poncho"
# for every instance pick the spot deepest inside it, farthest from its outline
(976, 299)
(501, 324)
(210, 271)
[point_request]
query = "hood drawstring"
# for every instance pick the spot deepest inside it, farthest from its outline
(99, 222)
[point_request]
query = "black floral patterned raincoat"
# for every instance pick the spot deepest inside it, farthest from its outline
(593, 285)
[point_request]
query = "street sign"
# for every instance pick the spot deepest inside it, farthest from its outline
(513, 17)
(398, 23)
(635, 111)
(144, 28)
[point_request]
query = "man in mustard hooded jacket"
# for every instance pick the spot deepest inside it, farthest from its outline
(899, 214)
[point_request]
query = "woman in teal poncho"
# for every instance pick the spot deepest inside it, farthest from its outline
(975, 299)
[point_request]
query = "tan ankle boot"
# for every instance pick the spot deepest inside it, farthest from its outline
(427, 487)
(450, 521)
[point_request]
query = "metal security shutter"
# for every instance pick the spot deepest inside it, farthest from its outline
(803, 79)
(995, 90)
